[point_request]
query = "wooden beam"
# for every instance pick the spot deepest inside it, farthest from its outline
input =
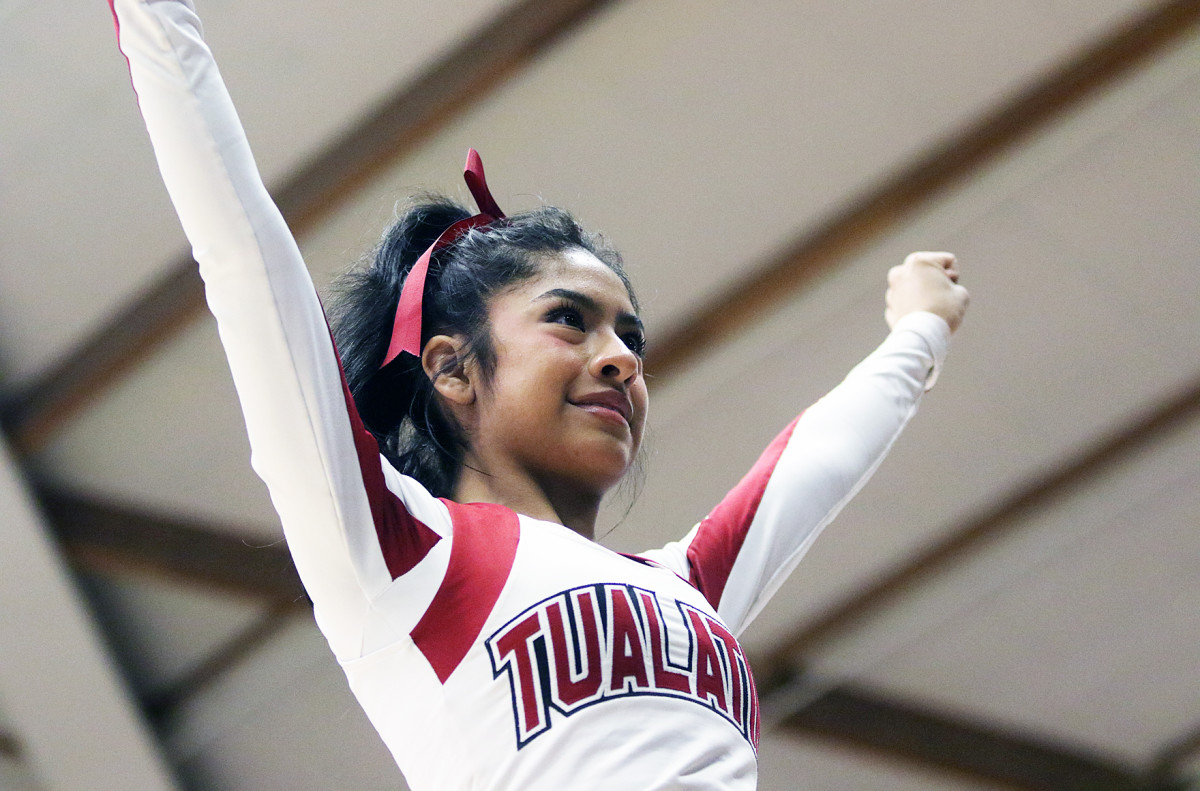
(917, 183)
(1174, 759)
(10, 746)
(919, 734)
(349, 162)
(103, 536)
(106, 537)
(1009, 515)
(868, 719)
(481, 63)
(509, 42)
(32, 415)
(162, 704)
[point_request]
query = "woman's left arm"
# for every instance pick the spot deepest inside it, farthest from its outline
(741, 553)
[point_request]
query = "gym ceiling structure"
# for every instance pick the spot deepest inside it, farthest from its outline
(1012, 603)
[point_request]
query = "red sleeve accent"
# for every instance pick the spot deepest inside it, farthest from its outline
(719, 540)
(481, 558)
(403, 540)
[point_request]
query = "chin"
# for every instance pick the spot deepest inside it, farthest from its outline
(602, 469)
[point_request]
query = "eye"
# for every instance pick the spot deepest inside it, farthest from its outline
(567, 315)
(636, 342)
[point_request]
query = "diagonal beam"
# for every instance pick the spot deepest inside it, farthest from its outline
(31, 416)
(917, 183)
(163, 703)
(10, 746)
(105, 536)
(1173, 759)
(500, 48)
(509, 42)
(481, 63)
(867, 719)
(1010, 515)
(900, 729)
(868, 217)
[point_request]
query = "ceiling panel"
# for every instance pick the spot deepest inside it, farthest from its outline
(84, 220)
(282, 719)
(170, 438)
(1103, 596)
(704, 141)
(788, 763)
(15, 776)
(1036, 375)
(163, 631)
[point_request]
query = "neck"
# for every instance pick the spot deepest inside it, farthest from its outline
(523, 493)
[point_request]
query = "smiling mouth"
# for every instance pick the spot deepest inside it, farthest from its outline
(608, 409)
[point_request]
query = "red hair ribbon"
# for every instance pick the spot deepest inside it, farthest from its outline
(406, 328)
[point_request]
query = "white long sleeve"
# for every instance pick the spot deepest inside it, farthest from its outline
(270, 320)
(745, 548)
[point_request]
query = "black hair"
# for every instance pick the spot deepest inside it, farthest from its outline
(398, 404)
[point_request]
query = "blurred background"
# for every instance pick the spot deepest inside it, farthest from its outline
(1012, 603)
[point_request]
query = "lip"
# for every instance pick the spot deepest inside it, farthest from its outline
(607, 402)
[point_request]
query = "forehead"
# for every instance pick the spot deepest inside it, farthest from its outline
(579, 270)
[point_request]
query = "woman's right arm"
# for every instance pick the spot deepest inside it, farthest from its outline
(348, 534)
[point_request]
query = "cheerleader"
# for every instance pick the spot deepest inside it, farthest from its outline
(438, 484)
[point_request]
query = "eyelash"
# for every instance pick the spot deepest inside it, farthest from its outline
(574, 318)
(556, 314)
(636, 343)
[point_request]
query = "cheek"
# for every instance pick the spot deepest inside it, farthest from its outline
(640, 397)
(528, 392)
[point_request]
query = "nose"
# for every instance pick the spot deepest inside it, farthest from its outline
(614, 360)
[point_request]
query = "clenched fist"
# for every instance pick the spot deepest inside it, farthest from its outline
(926, 281)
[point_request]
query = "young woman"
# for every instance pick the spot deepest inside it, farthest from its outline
(497, 362)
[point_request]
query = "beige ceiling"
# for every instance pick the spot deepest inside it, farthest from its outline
(1013, 602)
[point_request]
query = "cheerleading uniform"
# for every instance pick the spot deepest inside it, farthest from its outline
(492, 650)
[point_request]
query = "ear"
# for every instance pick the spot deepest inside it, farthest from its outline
(444, 364)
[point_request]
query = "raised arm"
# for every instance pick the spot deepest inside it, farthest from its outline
(321, 467)
(741, 553)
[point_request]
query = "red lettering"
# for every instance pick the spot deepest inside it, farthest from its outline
(710, 681)
(664, 677)
(517, 643)
(736, 662)
(575, 683)
(628, 654)
(558, 653)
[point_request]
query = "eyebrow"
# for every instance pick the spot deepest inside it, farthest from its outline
(587, 303)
